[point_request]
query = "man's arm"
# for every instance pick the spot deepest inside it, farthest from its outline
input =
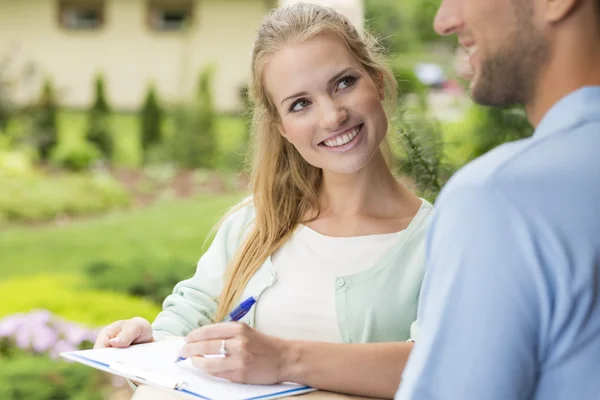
(481, 303)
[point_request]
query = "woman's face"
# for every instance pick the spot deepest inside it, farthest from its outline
(330, 108)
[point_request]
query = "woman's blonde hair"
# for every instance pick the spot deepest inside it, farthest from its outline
(285, 186)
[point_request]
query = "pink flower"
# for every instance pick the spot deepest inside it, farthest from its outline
(23, 338)
(59, 347)
(42, 332)
(44, 339)
(10, 325)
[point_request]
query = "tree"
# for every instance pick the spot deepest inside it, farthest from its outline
(494, 126)
(151, 117)
(423, 15)
(99, 121)
(45, 130)
(408, 84)
(5, 98)
(242, 150)
(391, 22)
(206, 143)
(194, 142)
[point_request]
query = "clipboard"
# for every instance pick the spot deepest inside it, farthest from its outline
(152, 364)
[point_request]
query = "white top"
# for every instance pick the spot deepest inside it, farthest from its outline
(301, 304)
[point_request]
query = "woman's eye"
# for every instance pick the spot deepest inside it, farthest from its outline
(299, 105)
(346, 82)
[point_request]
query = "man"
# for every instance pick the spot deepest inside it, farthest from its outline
(510, 306)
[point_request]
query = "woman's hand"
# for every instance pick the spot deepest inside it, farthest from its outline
(252, 357)
(125, 333)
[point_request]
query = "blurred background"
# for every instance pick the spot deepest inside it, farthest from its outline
(123, 131)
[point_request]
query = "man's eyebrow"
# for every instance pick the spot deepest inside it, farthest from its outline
(333, 79)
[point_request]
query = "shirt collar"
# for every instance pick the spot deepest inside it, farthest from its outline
(581, 105)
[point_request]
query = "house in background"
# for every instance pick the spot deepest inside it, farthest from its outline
(353, 9)
(134, 43)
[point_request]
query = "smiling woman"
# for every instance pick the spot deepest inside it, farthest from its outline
(331, 244)
(337, 108)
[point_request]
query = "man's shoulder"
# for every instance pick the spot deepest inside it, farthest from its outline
(525, 168)
(491, 171)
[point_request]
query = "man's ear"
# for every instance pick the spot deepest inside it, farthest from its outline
(558, 10)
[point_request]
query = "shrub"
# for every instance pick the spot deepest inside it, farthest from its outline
(15, 163)
(75, 156)
(151, 117)
(408, 83)
(6, 101)
(423, 14)
(30, 345)
(207, 143)
(423, 155)
(148, 278)
(247, 116)
(234, 156)
(99, 122)
(194, 140)
(391, 20)
(45, 129)
(67, 297)
(492, 126)
(38, 197)
(40, 332)
(34, 377)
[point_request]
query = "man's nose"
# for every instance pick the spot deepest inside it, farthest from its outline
(448, 19)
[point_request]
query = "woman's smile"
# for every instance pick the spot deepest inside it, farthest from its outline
(344, 141)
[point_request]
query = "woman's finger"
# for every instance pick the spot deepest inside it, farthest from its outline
(223, 330)
(133, 331)
(233, 376)
(214, 366)
(108, 333)
(202, 348)
(102, 341)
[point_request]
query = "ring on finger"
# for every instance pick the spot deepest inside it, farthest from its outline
(223, 350)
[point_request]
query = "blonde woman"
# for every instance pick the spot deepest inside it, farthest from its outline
(330, 244)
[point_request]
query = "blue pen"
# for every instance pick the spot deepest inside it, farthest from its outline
(240, 310)
(234, 315)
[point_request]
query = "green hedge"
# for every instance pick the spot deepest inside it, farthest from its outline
(35, 377)
(149, 278)
(30, 366)
(65, 296)
(36, 197)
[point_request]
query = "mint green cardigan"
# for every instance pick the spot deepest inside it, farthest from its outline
(375, 305)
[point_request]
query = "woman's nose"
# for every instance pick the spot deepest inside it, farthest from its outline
(333, 116)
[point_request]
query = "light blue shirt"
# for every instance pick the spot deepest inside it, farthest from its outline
(510, 304)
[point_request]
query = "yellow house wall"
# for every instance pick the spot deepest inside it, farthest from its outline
(352, 9)
(128, 53)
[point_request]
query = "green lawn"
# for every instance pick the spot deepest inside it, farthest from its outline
(168, 230)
